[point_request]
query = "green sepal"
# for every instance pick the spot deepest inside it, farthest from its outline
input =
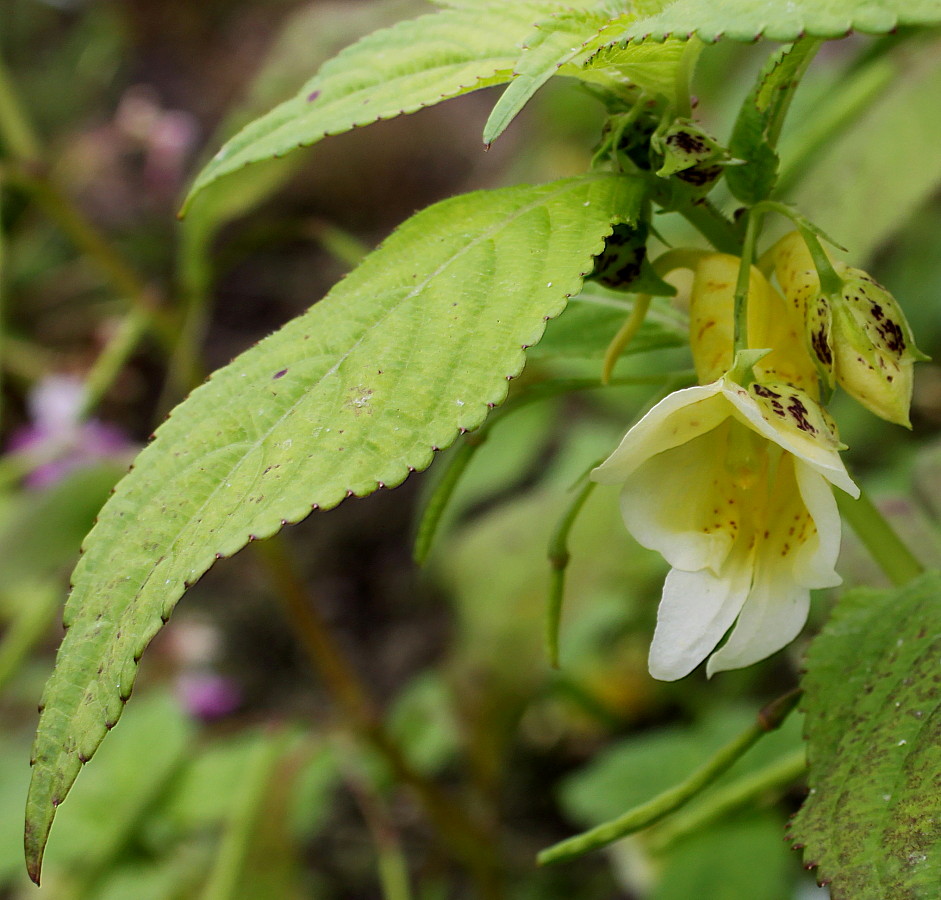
(623, 264)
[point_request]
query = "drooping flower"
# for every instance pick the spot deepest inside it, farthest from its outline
(732, 486)
(858, 334)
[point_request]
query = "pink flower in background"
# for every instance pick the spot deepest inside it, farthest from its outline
(57, 440)
(202, 691)
(208, 695)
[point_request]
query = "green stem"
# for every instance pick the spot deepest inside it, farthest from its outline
(740, 793)
(558, 543)
(879, 538)
(624, 336)
(712, 225)
(90, 241)
(244, 819)
(346, 248)
(3, 335)
(752, 230)
(112, 358)
(184, 368)
(15, 129)
(558, 563)
(441, 496)
(684, 76)
(663, 804)
(390, 860)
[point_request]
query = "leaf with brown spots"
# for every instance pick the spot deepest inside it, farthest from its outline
(413, 348)
(872, 822)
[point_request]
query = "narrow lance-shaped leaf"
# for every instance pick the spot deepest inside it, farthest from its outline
(748, 20)
(556, 40)
(755, 135)
(416, 63)
(872, 822)
(409, 350)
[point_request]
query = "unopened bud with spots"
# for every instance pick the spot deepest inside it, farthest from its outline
(857, 335)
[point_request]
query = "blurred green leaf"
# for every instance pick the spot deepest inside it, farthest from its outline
(44, 531)
(203, 791)
(175, 876)
(257, 856)
(741, 857)
(871, 824)
(637, 769)
(14, 780)
(35, 604)
(592, 319)
(422, 723)
(847, 191)
(325, 408)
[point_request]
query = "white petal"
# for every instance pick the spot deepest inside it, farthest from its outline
(814, 562)
(696, 609)
(817, 452)
(676, 504)
(678, 418)
(772, 617)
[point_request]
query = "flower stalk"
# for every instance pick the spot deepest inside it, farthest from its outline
(880, 539)
(672, 799)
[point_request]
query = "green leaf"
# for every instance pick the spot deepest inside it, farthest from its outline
(109, 803)
(396, 70)
(650, 66)
(557, 40)
(740, 857)
(581, 43)
(748, 20)
(409, 350)
(871, 824)
(759, 121)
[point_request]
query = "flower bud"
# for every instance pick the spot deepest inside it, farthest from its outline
(873, 347)
(858, 336)
(623, 265)
(691, 155)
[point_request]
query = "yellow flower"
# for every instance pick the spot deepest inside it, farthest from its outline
(858, 334)
(772, 324)
(732, 486)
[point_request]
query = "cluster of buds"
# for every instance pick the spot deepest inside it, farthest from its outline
(731, 480)
(855, 330)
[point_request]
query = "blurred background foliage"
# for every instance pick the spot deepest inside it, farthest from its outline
(236, 772)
